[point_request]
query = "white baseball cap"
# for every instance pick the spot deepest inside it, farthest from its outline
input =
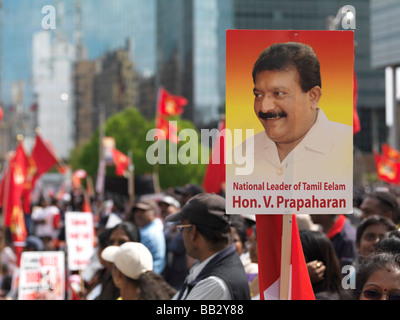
(132, 258)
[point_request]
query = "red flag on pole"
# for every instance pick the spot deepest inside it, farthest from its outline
(121, 161)
(43, 156)
(387, 169)
(390, 153)
(42, 159)
(170, 105)
(269, 245)
(214, 178)
(14, 187)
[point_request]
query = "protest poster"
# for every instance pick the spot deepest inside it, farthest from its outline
(79, 237)
(42, 275)
(289, 117)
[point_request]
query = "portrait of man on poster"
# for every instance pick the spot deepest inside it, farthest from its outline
(301, 159)
(298, 140)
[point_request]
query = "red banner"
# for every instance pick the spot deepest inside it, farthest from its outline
(170, 105)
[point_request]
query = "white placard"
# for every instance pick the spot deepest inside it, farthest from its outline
(42, 276)
(79, 236)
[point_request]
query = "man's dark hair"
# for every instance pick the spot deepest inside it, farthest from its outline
(374, 220)
(388, 202)
(282, 56)
(390, 243)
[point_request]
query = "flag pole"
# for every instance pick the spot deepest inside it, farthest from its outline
(286, 253)
(101, 146)
(156, 180)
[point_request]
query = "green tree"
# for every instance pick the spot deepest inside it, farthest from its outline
(129, 129)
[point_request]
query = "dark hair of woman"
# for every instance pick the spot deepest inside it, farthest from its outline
(317, 246)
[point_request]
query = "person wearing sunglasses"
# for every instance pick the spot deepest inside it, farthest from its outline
(378, 278)
(218, 273)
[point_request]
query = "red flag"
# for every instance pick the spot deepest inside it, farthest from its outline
(77, 177)
(43, 155)
(1, 114)
(390, 153)
(121, 161)
(15, 183)
(41, 160)
(269, 242)
(169, 128)
(356, 119)
(170, 105)
(387, 170)
(214, 178)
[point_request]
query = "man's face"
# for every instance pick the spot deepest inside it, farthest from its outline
(279, 92)
(371, 206)
(370, 238)
(143, 217)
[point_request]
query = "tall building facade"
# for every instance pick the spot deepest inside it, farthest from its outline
(191, 54)
(103, 87)
(52, 74)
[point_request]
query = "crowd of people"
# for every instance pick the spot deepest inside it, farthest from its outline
(182, 245)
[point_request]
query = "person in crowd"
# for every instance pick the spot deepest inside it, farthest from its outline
(121, 233)
(342, 234)
(124, 232)
(240, 239)
(378, 278)
(187, 191)
(151, 231)
(133, 274)
(370, 231)
(218, 273)
(168, 205)
(381, 203)
(322, 264)
(93, 284)
(389, 243)
(177, 261)
(47, 222)
(254, 283)
(33, 243)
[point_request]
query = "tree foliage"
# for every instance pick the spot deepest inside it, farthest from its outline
(129, 129)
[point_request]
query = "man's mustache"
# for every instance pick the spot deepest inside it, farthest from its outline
(271, 114)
